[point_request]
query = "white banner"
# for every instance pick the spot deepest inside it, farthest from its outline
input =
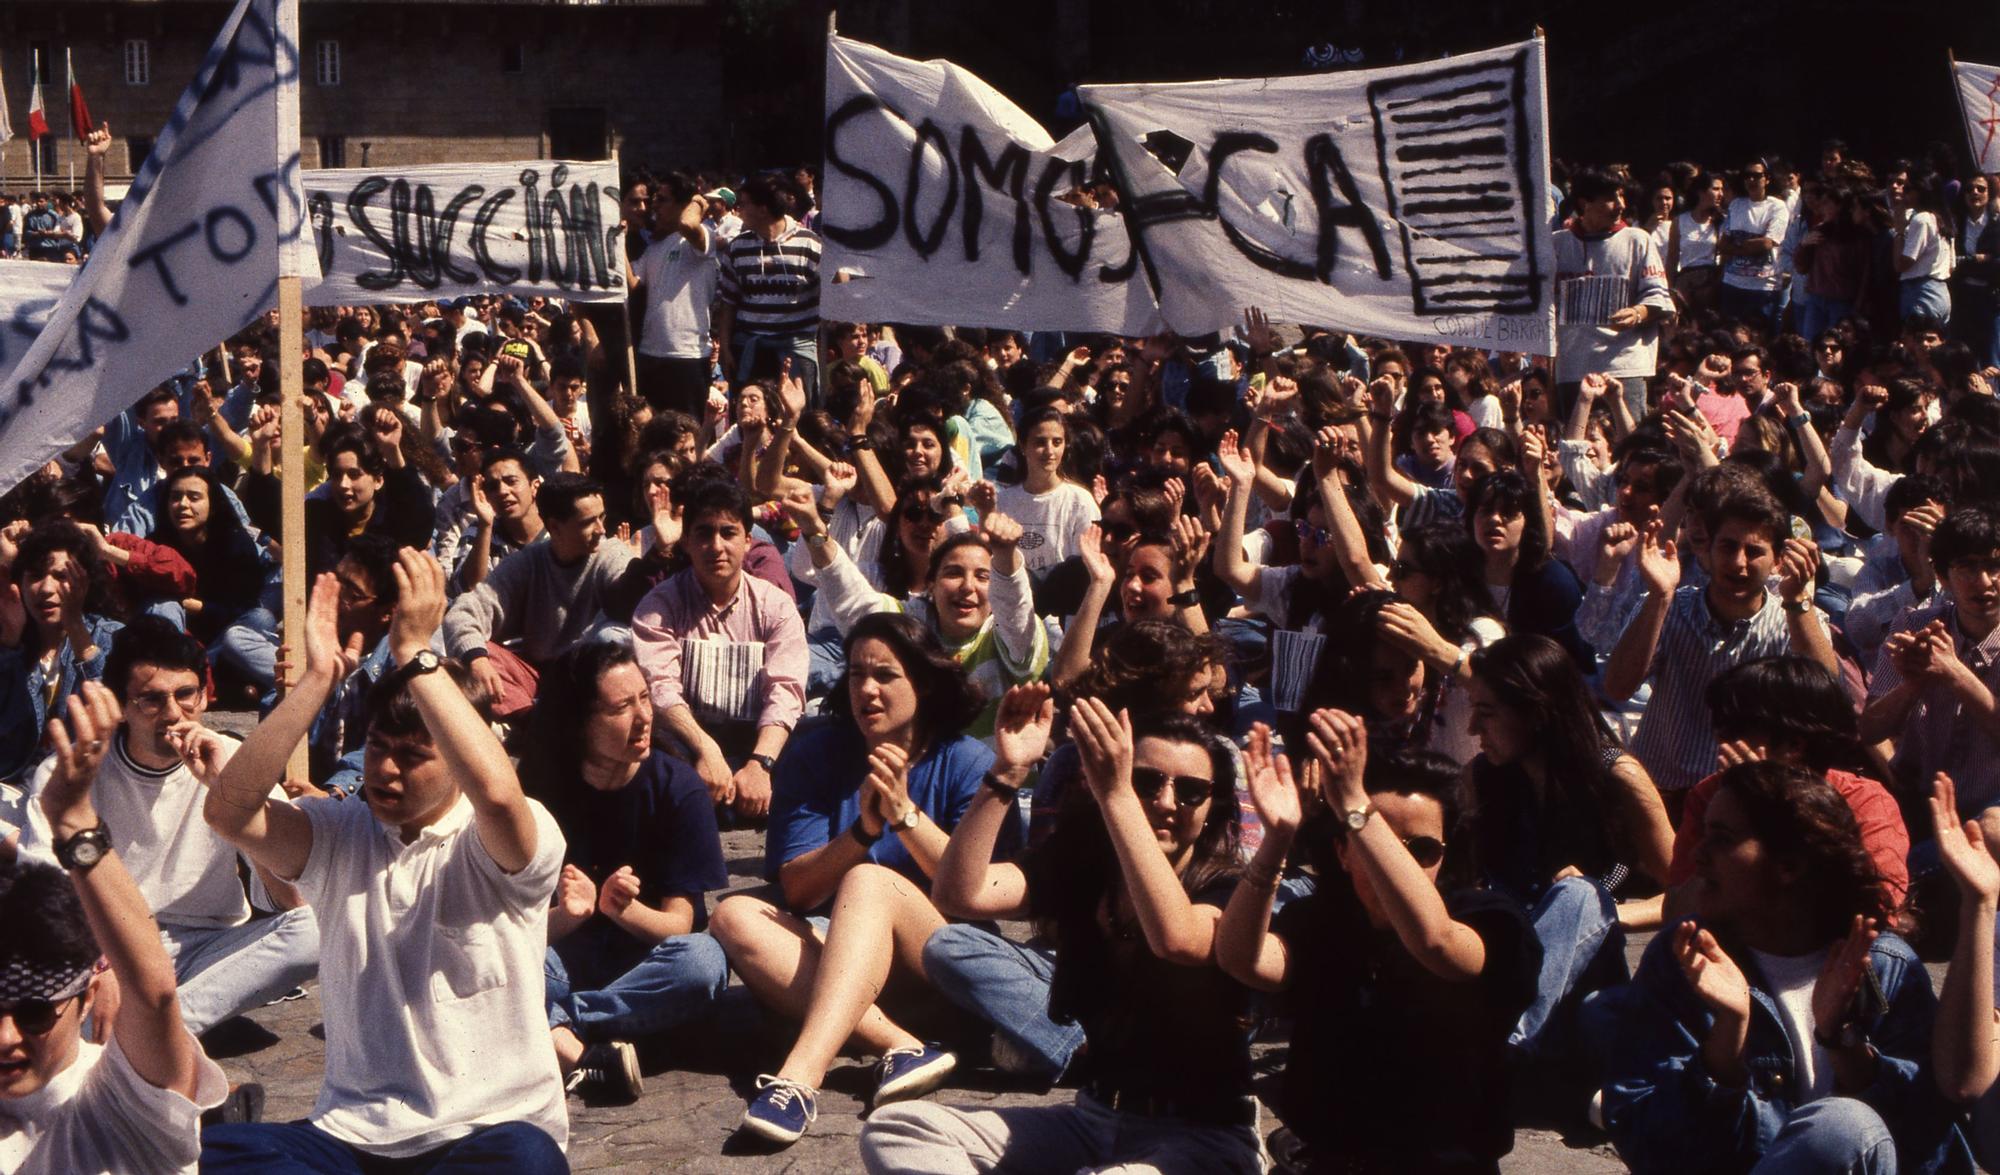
(1979, 100)
(1409, 202)
(450, 229)
(192, 256)
(940, 205)
(29, 293)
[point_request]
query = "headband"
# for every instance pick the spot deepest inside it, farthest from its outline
(22, 980)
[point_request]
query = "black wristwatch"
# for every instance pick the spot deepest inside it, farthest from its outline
(1005, 791)
(860, 441)
(424, 662)
(1187, 599)
(862, 836)
(764, 761)
(80, 852)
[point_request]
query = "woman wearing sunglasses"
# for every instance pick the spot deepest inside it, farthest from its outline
(1561, 815)
(1402, 981)
(1131, 886)
(1777, 1030)
(132, 1105)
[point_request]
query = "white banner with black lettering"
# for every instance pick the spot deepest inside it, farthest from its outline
(29, 292)
(411, 234)
(192, 256)
(1409, 202)
(1979, 100)
(942, 202)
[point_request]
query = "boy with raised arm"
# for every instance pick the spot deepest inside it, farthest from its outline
(68, 1107)
(433, 897)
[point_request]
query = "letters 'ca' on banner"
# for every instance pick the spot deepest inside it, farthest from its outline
(1409, 202)
(941, 203)
(1979, 100)
(192, 256)
(447, 230)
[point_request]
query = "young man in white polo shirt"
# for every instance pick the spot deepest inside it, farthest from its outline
(150, 791)
(69, 1107)
(432, 888)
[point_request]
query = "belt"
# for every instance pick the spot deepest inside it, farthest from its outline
(1225, 1111)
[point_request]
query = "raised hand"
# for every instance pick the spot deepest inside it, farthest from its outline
(984, 497)
(1001, 531)
(1090, 549)
(797, 502)
(1403, 626)
(889, 781)
(326, 655)
(1841, 976)
(1617, 541)
(482, 506)
(576, 894)
(1258, 333)
(98, 141)
(1963, 846)
(1339, 741)
(1272, 790)
(1176, 492)
(420, 604)
(1659, 562)
(1209, 488)
(1797, 567)
(76, 752)
(1382, 396)
(1713, 975)
(1104, 743)
(1280, 398)
(1021, 727)
(1190, 539)
(840, 479)
(1235, 459)
(1737, 751)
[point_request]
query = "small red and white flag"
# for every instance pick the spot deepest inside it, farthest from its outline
(79, 114)
(38, 119)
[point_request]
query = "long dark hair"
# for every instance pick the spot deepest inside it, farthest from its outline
(1795, 813)
(1140, 665)
(1447, 554)
(225, 529)
(1510, 491)
(891, 560)
(947, 700)
(1535, 678)
(568, 692)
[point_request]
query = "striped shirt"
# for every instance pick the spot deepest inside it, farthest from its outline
(1939, 734)
(1676, 737)
(773, 285)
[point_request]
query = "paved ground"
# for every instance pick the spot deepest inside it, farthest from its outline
(696, 1085)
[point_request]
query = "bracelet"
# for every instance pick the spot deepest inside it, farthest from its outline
(860, 442)
(1006, 791)
(1381, 415)
(1186, 599)
(1799, 421)
(1261, 881)
(861, 836)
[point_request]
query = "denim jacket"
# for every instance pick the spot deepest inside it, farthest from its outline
(1666, 1114)
(24, 749)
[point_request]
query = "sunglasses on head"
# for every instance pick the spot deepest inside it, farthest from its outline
(1189, 790)
(36, 1017)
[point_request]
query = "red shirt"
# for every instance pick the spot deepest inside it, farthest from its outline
(1875, 810)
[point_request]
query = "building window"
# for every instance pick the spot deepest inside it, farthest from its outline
(326, 63)
(513, 57)
(333, 150)
(138, 63)
(137, 147)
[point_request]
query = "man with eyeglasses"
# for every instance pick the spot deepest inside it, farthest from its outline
(133, 1104)
(149, 790)
(1748, 244)
(1936, 687)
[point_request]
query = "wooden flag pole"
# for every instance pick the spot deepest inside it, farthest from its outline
(631, 340)
(292, 491)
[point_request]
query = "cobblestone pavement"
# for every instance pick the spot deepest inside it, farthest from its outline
(697, 1081)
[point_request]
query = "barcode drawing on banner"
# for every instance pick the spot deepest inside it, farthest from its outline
(1591, 300)
(1455, 145)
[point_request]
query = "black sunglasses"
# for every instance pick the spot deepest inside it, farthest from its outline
(36, 1017)
(1426, 851)
(1401, 568)
(1189, 790)
(1117, 532)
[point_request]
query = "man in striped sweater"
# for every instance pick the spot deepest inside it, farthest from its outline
(770, 290)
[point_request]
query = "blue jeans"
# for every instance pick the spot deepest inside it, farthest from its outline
(281, 1148)
(826, 659)
(227, 970)
(803, 349)
(670, 984)
(1758, 307)
(250, 646)
(1004, 983)
(1832, 1134)
(1924, 295)
(1583, 948)
(1084, 1136)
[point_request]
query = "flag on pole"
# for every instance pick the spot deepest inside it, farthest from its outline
(1979, 100)
(38, 121)
(6, 125)
(79, 114)
(192, 256)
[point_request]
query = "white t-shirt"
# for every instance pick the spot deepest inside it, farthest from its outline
(1052, 524)
(1792, 978)
(679, 283)
(1748, 221)
(99, 1117)
(185, 871)
(1453, 736)
(1923, 244)
(431, 983)
(1697, 242)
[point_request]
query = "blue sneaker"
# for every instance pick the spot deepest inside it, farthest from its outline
(908, 1073)
(781, 1111)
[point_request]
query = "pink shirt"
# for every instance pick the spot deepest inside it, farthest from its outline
(708, 657)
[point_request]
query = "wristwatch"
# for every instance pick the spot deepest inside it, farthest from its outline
(424, 662)
(909, 821)
(764, 761)
(1356, 819)
(862, 835)
(81, 851)
(1846, 1036)
(1796, 607)
(817, 538)
(1186, 599)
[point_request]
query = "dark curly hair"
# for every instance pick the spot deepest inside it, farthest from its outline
(1795, 813)
(1142, 663)
(43, 916)
(947, 700)
(45, 542)
(1787, 699)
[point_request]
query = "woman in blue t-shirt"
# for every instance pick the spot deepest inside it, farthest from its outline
(861, 811)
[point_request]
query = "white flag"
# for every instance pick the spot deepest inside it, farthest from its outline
(1409, 202)
(6, 124)
(1979, 100)
(942, 203)
(192, 256)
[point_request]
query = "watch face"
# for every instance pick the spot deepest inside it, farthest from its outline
(1357, 819)
(86, 852)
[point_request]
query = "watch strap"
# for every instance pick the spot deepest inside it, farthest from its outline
(862, 835)
(763, 760)
(415, 667)
(97, 837)
(1003, 789)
